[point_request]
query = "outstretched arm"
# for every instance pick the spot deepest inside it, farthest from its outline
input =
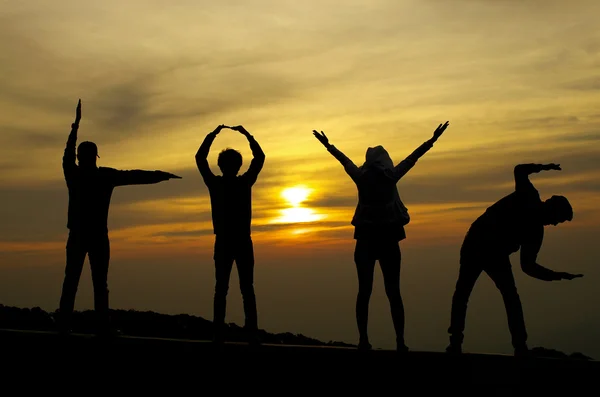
(69, 155)
(522, 172)
(529, 252)
(202, 155)
(351, 169)
(405, 165)
(258, 156)
(141, 177)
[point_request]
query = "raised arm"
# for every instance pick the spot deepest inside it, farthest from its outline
(258, 156)
(405, 165)
(140, 177)
(351, 169)
(522, 172)
(529, 265)
(69, 155)
(202, 155)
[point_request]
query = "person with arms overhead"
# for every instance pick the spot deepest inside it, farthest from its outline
(514, 222)
(90, 189)
(231, 204)
(379, 220)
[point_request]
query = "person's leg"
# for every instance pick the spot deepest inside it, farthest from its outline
(244, 260)
(470, 269)
(365, 266)
(76, 252)
(501, 273)
(389, 260)
(223, 258)
(99, 255)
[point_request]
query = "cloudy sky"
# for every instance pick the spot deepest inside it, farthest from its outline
(519, 82)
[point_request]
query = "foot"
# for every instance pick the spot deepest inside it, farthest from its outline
(402, 348)
(364, 345)
(522, 351)
(454, 349)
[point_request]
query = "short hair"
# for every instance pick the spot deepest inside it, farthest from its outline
(230, 158)
(560, 205)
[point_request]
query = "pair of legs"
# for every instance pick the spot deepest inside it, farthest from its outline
(366, 253)
(97, 248)
(472, 263)
(240, 250)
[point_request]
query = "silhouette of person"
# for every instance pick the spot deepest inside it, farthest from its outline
(379, 220)
(90, 188)
(231, 202)
(514, 222)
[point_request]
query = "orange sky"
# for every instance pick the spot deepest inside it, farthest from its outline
(518, 81)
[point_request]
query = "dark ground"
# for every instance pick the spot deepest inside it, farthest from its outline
(83, 363)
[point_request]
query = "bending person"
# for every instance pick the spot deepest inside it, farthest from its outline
(514, 222)
(379, 221)
(90, 189)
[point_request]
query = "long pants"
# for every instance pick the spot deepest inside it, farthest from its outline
(97, 247)
(240, 250)
(472, 263)
(366, 253)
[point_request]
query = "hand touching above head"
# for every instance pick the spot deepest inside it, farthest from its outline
(219, 128)
(240, 129)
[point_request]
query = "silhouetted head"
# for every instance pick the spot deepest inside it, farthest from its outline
(230, 162)
(557, 209)
(87, 152)
(378, 157)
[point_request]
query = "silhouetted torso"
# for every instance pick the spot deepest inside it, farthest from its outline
(376, 191)
(510, 222)
(90, 192)
(231, 201)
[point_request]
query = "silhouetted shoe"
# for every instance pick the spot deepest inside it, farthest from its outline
(454, 349)
(522, 352)
(402, 348)
(364, 346)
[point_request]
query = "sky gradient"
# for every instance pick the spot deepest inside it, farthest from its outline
(519, 82)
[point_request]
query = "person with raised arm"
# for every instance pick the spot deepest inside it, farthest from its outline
(90, 189)
(231, 205)
(379, 220)
(514, 222)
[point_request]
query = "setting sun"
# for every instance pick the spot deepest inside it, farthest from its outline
(295, 195)
(295, 213)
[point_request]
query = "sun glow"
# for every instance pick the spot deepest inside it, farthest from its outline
(295, 196)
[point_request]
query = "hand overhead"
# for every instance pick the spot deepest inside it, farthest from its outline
(440, 130)
(240, 129)
(219, 128)
(321, 137)
(78, 113)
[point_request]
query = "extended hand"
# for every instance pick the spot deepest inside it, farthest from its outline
(551, 166)
(321, 137)
(171, 176)
(440, 130)
(569, 276)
